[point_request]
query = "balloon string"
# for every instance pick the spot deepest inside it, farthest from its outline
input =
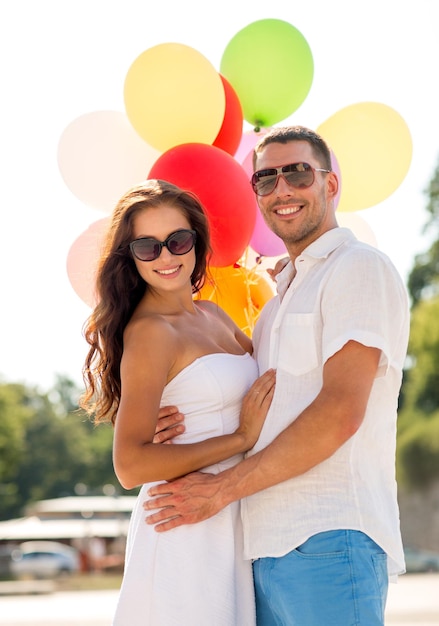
(251, 311)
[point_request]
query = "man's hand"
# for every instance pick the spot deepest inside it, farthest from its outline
(273, 272)
(187, 500)
(169, 424)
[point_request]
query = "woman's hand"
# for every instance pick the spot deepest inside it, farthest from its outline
(169, 424)
(255, 407)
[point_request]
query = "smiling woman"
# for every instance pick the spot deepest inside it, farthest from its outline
(153, 346)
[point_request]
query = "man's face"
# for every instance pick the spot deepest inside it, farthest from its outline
(297, 216)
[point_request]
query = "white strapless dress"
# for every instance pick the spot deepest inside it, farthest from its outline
(194, 575)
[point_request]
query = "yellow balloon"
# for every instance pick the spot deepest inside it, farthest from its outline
(174, 95)
(373, 147)
(240, 292)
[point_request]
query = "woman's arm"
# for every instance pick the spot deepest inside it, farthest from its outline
(148, 357)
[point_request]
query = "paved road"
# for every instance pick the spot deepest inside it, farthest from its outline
(414, 601)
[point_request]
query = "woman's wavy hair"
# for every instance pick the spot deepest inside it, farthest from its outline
(119, 289)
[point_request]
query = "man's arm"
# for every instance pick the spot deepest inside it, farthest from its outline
(325, 425)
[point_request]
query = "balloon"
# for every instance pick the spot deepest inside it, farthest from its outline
(100, 156)
(240, 292)
(222, 187)
(173, 95)
(230, 133)
(270, 66)
(264, 241)
(374, 149)
(358, 226)
(249, 139)
(82, 260)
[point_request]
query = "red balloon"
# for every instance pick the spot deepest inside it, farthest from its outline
(223, 188)
(230, 133)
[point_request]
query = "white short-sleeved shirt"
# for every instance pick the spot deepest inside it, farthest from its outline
(343, 290)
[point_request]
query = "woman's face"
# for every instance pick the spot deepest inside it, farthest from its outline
(168, 271)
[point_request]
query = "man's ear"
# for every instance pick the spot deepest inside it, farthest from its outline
(332, 184)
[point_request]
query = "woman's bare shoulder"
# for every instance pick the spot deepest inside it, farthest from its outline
(151, 328)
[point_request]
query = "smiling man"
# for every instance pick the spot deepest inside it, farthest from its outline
(318, 490)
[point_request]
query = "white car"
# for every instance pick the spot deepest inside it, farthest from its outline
(43, 559)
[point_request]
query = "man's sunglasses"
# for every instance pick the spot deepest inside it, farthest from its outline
(298, 175)
(149, 249)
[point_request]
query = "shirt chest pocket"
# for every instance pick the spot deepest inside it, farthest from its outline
(297, 344)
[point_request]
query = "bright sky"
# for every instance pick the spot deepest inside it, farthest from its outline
(61, 60)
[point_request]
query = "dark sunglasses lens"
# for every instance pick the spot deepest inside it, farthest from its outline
(146, 249)
(181, 242)
(300, 177)
(264, 183)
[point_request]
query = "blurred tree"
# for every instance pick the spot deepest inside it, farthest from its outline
(423, 281)
(16, 412)
(48, 446)
(418, 423)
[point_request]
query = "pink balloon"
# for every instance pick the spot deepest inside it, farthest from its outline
(100, 156)
(264, 241)
(248, 141)
(82, 260)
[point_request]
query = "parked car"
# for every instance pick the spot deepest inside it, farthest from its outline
(421, 560)
(43, 559)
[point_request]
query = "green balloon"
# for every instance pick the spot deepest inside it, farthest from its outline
(270, 66)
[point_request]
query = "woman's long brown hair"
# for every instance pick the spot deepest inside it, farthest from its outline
(119, 289)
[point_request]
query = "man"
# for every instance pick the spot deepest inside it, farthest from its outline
(318, 490)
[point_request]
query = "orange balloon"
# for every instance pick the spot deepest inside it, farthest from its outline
(240, 292)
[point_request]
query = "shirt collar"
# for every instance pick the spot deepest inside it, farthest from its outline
(321, 248)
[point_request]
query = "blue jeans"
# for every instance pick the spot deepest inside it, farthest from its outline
(335, 578)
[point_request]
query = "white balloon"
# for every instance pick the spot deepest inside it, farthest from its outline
(100, 156)
(358, 226)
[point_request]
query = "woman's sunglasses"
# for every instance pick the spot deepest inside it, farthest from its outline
(148, 249)
(298, 175)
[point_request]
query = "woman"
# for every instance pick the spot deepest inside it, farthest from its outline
(152, 344)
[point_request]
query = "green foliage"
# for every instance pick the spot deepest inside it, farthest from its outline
(418, 424)
(433, 201)
(48, 446)
(421, 387)
(418, 450)
(423, 281)
(15, 414)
